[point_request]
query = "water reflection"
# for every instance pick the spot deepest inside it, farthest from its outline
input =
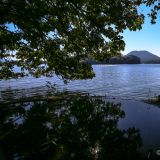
(79, 128)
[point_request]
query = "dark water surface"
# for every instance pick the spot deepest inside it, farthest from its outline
(80, 127)
(144, 116)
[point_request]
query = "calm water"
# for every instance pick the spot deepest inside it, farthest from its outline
(119, 81)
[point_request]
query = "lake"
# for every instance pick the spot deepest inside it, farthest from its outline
(84, 124)
(137, 82)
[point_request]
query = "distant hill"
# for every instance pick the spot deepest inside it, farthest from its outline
(127, 59)
(145, 56)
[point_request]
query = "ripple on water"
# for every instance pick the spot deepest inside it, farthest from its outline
(122, 81)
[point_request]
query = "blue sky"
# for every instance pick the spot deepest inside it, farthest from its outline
(146, 39)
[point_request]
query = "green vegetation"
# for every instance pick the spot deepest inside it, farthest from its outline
(128, 59)
(46, 37)
(57, 36)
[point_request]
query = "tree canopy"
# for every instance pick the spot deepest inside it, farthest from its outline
(47, 37)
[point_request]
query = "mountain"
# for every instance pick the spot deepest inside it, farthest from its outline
(145, 56)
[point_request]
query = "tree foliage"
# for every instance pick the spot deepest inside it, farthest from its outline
(46, 37)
